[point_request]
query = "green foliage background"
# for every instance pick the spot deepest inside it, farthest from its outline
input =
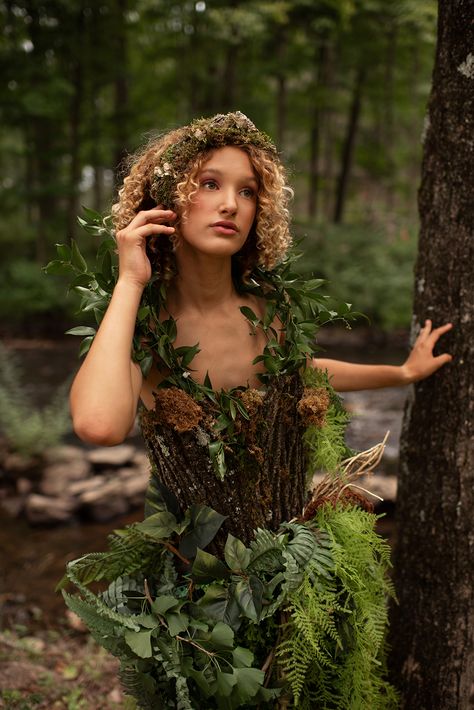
(84, 82)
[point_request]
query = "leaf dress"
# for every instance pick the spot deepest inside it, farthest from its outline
(241, 588)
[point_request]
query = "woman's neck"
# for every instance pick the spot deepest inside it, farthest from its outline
(202, 283)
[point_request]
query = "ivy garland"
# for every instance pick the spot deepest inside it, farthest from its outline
(296, 303)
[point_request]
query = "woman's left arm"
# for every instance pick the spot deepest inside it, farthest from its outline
(347, 376)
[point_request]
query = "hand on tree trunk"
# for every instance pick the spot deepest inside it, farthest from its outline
(421, 361)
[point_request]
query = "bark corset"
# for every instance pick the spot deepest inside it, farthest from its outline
(265, 483)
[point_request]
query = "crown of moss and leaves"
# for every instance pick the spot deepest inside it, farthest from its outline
(201, 135)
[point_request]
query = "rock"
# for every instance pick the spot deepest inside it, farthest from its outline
(134, 488)
(111, 456)
(60, 454)
(23, 486)
(77, 488)
(141, 462)
(56, 476)
(13, 505)
(383, 486)
(124, 474)
(17, 463)
(105, 502)
(46, 509)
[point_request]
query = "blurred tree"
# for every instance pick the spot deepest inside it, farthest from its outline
(83, 81)
(433, 629)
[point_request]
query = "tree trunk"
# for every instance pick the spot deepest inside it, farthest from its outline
(75, 128)
(433, 626)
(121, 86)
(348, 147)
(320, 71)
(278, 47)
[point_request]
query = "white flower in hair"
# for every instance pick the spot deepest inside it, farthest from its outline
(162, 171)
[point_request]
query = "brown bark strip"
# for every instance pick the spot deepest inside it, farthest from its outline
(251, 495)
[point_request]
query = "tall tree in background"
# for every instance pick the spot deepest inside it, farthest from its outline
(433, 627)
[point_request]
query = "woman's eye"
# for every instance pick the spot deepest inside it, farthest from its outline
(248, 192)
(209, 184)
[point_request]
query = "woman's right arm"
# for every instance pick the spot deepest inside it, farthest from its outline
(105, 391)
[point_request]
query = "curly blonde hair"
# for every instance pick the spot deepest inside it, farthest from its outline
(269, 237)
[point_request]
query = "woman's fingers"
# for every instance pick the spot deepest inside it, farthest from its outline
(151, 228)
(443, 359)
(438, 332)
(424, 331)
(154, 215)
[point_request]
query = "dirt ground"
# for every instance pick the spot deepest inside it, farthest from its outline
(58, 670)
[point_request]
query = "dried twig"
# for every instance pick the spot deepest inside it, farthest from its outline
(333, 485)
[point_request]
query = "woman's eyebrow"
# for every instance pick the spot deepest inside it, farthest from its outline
(216, 171)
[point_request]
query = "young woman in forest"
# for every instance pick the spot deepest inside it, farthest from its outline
(233, 425)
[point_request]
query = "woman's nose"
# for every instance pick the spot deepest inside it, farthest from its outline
(228, 201)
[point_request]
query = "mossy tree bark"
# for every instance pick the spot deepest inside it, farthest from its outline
(433, 626)
(265, 483)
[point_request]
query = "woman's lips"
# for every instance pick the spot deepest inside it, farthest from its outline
(225, 228)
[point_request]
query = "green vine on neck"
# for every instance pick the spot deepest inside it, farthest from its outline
(297, 304)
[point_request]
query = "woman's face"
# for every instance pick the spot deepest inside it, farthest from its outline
(222, 211)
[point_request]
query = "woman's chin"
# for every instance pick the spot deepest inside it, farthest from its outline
(221, 247)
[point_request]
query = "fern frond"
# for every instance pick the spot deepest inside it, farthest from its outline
(325, 446)
(266, 551)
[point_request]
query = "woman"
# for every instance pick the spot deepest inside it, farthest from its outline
(208, 307)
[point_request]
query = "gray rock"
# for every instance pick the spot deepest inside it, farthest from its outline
(111, 456)
(59, 454)
(141, 462)
(57, 476)
(134, 488)
(46, 509)
(105, 502)
(77, 488)
(123, 474)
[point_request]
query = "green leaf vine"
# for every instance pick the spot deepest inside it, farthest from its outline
(300, 613)
(295, 304)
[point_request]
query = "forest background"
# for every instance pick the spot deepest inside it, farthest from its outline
(341, 86)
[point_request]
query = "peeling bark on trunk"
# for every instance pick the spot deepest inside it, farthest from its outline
(263, 487)
(433, 627)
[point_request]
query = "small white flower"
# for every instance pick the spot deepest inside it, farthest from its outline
(167, 168)
(199, 134)
(186, 374)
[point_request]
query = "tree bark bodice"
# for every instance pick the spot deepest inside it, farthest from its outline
(265, 483)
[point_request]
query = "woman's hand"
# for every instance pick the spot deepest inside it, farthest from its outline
(134, 265)
(421, 362)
